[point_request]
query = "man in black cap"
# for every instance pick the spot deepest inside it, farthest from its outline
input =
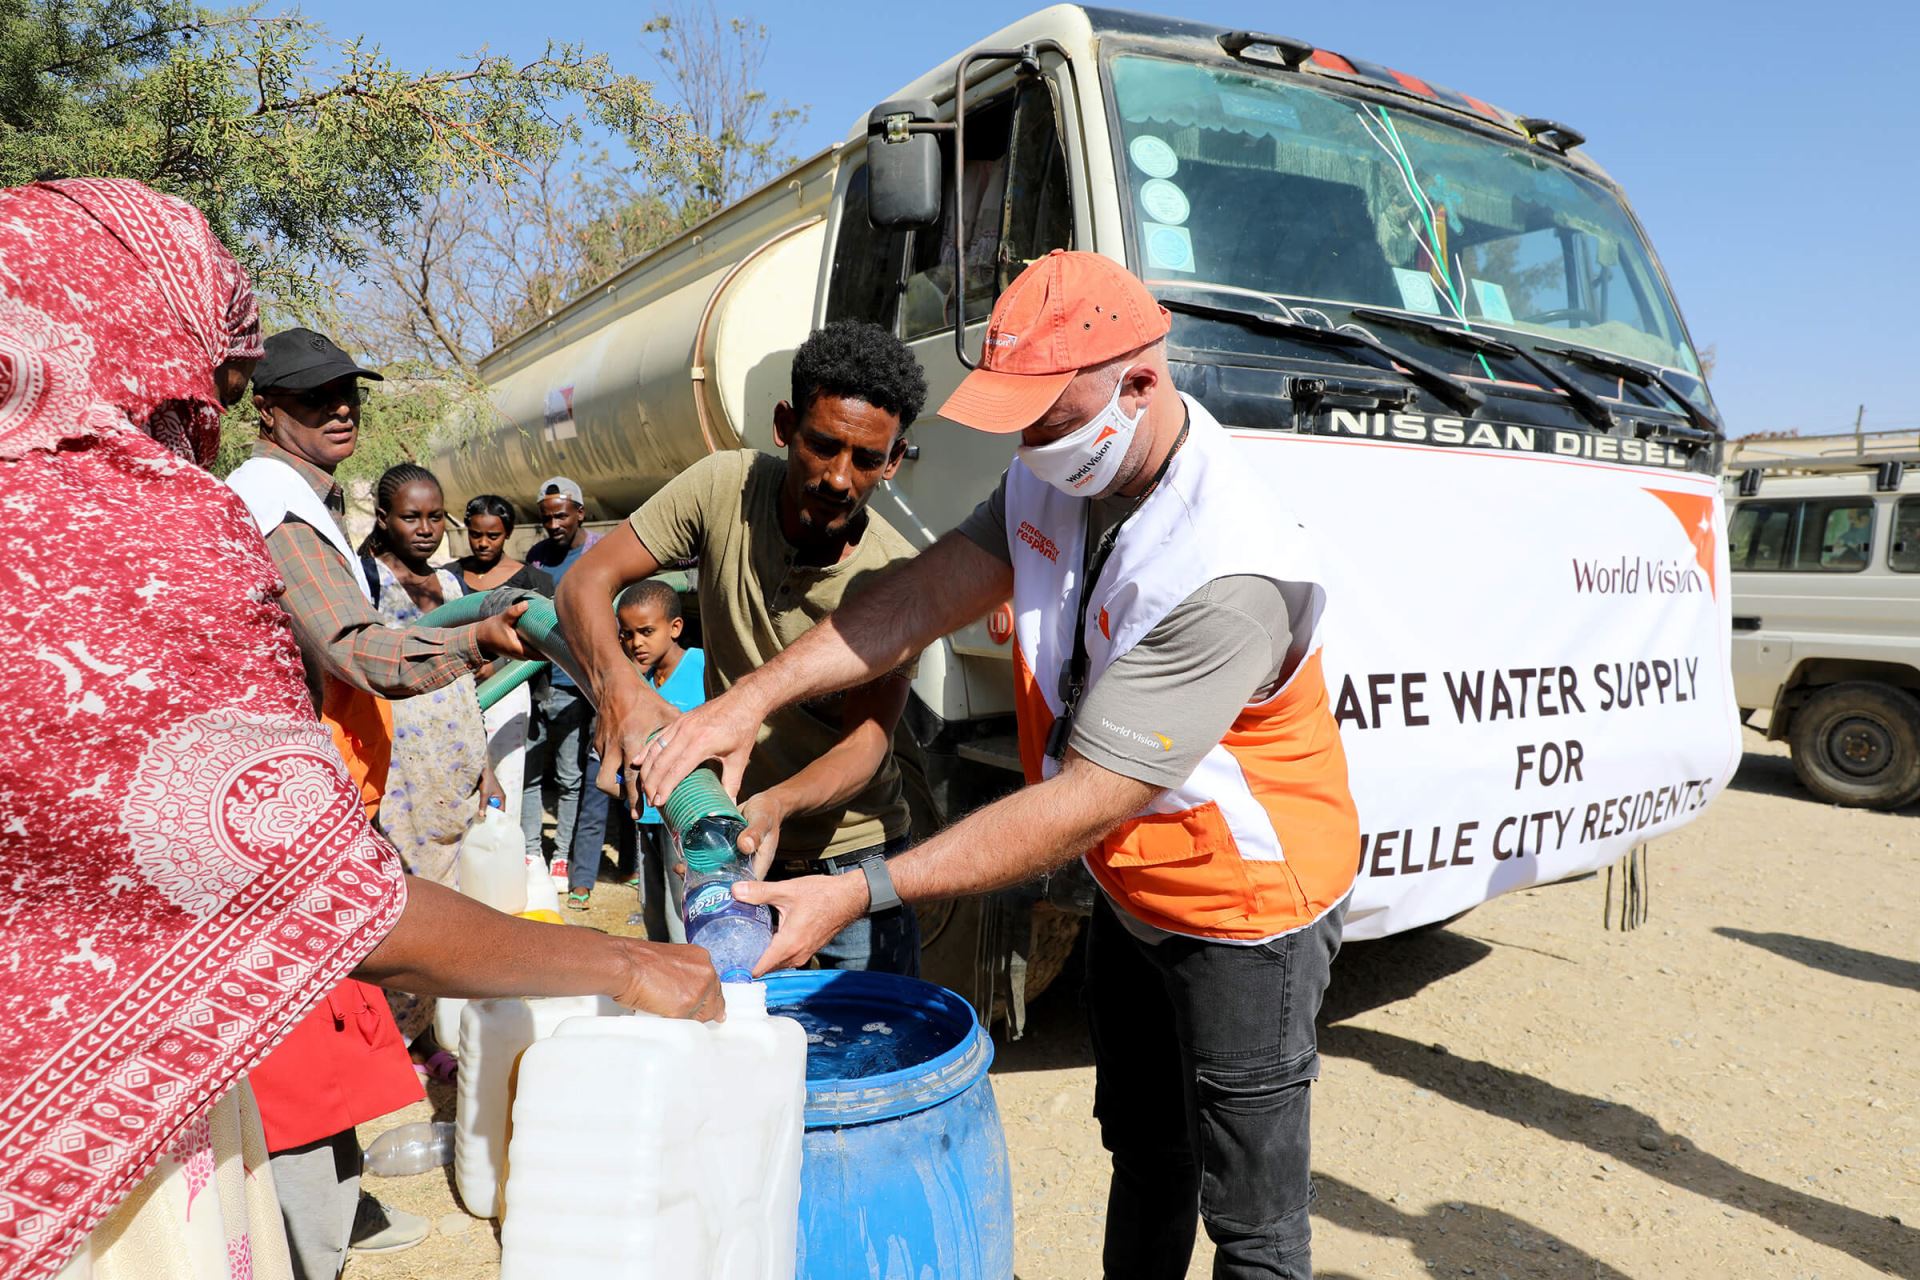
(307, 392)
(346, 1063)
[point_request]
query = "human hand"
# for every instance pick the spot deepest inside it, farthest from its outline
(490, 789)
(499, 638)
(674, 980)
(761, 840)
(812, 910)
(628, 716)
(722, 730)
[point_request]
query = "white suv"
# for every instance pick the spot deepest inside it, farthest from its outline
(1826, 623)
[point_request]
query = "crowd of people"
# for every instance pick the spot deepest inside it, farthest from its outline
(247, 760)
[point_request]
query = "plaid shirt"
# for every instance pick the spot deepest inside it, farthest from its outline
(338, 631)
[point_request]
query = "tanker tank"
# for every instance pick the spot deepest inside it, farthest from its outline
(683, 353)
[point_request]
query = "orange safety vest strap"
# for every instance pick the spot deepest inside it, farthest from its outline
(362, 728)
(1296, 767)
(1032, 717)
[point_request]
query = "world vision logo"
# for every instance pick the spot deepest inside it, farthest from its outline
(1105, 433)
(1695, 513)
(1626, 575)
(1106, 623)
(1150, 739)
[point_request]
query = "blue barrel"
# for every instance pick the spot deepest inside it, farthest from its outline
(904, 1172)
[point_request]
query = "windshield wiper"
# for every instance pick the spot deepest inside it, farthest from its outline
(1584, 402)
(1461, 397)
(1641, 375)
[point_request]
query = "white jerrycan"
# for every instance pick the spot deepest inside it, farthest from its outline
(493, 1036)
(541, 895)
(682, 1163)
(493, 862)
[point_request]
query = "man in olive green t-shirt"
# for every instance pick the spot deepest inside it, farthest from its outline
(780, 544)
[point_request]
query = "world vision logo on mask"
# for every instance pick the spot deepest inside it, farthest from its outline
(1091, 467)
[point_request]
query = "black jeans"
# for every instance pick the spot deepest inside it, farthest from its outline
(1205, 1057)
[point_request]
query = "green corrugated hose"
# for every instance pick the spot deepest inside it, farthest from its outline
(509, 676)
(539, 626)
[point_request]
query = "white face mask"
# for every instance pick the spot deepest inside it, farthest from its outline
(1085, 462)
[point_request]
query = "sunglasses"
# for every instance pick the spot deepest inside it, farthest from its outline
(321, 397)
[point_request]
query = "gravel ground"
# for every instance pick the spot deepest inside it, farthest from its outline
(1728, 1091)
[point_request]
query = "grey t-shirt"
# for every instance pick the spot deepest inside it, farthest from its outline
(1156, 712)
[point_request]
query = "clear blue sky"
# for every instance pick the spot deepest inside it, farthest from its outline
(1762, 143)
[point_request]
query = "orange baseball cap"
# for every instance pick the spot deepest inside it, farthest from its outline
(1064, 313)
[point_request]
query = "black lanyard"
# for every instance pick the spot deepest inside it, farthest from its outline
(1093, 561)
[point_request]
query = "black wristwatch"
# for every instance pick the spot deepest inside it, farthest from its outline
(880, 894)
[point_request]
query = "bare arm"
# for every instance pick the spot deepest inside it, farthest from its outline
(908, 607)
(868, 716)
(628, 708)
(1010, 841)
(446, 944)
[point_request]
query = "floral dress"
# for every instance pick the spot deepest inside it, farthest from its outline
(433, 784)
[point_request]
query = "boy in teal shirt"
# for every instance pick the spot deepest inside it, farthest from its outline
(651, 622)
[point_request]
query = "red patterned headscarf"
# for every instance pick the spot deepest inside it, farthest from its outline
(158, 296)
(187, 868)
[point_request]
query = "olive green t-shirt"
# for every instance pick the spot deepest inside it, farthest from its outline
(724, 511)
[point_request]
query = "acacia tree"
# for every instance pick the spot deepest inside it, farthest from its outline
(301, 148)
(480, 263)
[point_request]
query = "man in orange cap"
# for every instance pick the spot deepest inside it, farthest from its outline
(1175, 731)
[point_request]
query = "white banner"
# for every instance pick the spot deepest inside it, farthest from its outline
(1527, 655)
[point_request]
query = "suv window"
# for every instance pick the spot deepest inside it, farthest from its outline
(865, 282)
(1014, 195)
(1903, 552)
(1759, 534)
(1821, 535)
(1835, 534)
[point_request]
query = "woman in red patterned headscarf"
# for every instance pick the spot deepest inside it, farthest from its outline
(187, 866)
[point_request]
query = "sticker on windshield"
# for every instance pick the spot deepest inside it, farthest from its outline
(1168, 248)
(1164, 202)
(1416, 291)
(1493, 301)
(1152, 156)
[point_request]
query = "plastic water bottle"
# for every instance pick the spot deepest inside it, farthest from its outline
(706, 829)
(493, 861)
(410, 1149)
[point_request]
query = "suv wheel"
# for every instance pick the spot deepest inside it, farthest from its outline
(1859, 744)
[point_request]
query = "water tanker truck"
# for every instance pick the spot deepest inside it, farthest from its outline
(1435, 330)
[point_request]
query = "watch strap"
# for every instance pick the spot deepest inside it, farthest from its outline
(880, 892)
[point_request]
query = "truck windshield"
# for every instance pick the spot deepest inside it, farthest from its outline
(1262, 183)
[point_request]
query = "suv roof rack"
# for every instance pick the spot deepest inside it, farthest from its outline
(1888, 466)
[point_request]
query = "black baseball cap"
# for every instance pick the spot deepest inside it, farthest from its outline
(300, 360)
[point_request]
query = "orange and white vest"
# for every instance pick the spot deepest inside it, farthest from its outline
(1262, 838)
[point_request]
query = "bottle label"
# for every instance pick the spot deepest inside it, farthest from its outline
(713, 901)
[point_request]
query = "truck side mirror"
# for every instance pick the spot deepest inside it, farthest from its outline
(903, 169)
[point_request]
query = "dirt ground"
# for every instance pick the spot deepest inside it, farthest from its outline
(1728, 1091)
